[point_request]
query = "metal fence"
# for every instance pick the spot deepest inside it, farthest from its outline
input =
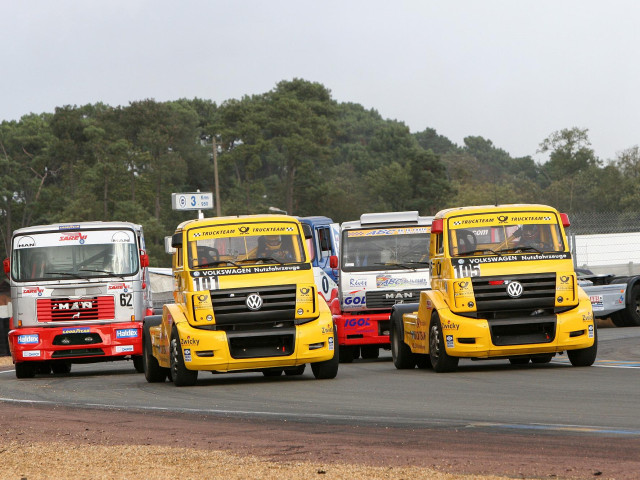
(606, 242)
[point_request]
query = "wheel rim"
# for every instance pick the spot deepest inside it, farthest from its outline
(434, 344)
(174, 357)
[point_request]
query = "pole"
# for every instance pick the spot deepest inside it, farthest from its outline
(215, 175)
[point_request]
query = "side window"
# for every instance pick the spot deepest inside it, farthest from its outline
(178, 257)
(439, 244)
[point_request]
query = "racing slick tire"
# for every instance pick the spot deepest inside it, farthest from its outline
(25, 370)
(329, 368)
(180, 374)
(585, 357)
(293, 371)
(440, 360)
(153, 372)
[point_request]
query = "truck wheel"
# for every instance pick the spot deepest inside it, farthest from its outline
(370, 351)
(25, 370)
(620, 319)
(631, 312)
(422, 360)
(347, 354)
(181, 375)
(328, 368)
(440, 359)
(400, 352)
(272, 372)
(585, 357)
(60, 367)
(519, 360)
(542, 358)
(153, 372)
(292, 371)
(138, 363)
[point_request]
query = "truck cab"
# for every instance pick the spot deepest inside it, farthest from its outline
(503, 286)
(79, 293)
(323, 242)
(245, 300)
(384, 261)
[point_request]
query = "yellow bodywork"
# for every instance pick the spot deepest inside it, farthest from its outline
(193, 314)
(453, 300)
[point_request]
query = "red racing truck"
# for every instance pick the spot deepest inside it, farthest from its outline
(384, 261)
(79, 293)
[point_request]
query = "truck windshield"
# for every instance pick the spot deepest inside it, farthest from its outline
(396, 248)
(505, 238)
(78, 254)
(223, 251)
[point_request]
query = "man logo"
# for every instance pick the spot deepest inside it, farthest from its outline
(503, 218)
(26, 242)
(120, 237)
(243, 229)
(254, 302)
(514, 289)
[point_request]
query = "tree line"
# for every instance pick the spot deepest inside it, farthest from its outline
(294, 148)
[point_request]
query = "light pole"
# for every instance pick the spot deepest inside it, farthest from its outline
(215, 175)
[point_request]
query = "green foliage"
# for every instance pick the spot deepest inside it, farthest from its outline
(294, 148)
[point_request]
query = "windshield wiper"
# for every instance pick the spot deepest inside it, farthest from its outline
(263, 259)
(218, 262)
(69, 274)
(481, 250)
(113, 274)
(517, 249)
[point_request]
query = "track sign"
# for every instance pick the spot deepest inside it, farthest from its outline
(192, 201)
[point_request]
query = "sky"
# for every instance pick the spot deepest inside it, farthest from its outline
(510, 71)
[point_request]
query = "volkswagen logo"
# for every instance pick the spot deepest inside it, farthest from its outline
(514, 289)
(254, 302)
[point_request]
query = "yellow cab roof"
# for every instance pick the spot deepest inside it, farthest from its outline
(515, 207)
(201, 222)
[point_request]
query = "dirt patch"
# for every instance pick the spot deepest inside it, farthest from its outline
(71, 442)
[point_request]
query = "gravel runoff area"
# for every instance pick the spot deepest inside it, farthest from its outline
(43, 442)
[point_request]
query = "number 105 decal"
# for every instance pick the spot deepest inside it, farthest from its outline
(462, 271)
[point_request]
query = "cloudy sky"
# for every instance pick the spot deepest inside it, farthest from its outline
(510, 71)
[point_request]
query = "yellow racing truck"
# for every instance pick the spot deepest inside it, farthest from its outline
(503, 286)
(245, 300)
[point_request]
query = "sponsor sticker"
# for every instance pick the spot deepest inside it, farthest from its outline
(330, 343)
(124, 348)
(30, 353)
(597, 302)
(32, 291)
(121, 286)
(449, 341)
(76, 330)
(590, 331)
(127, 333)
(28, 339)
(187, 354)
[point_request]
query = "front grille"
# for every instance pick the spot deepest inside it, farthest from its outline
(74, 309)
(385, 299)
(230, 307)
(264, 343)
(77, 339)
(77, 352)
(523, 330)
(538, 291)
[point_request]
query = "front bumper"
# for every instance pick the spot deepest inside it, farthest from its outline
(472, 338)
(73, 342)
(249, 350)
(367, 329)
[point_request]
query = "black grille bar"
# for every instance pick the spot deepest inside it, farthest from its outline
(278, 303)
(539, 291)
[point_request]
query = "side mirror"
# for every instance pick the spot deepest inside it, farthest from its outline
(7, 266)
(144, 259)
(565, 220)
(307, 231)
(437, 226)
(176, 240)
(333, 261)
(167, 246)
